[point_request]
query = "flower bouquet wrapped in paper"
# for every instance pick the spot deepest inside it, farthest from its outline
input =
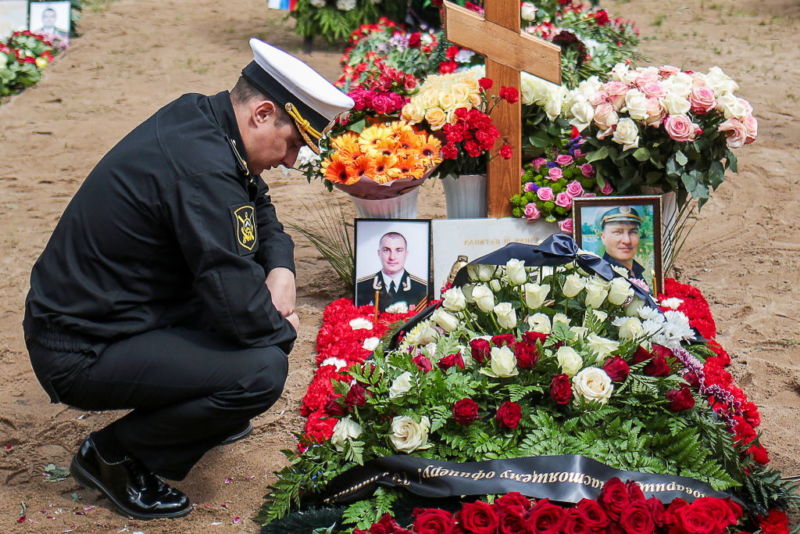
(662, 128)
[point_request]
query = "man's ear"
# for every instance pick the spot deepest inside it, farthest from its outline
(264, 111)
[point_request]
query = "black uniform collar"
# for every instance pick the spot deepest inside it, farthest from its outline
(223, 111)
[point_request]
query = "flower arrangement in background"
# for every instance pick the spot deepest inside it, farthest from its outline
(550, 184)
(662, 127)
(22, 58)
(335, 20)
(525, 362)
(381, 153)
(457, 109)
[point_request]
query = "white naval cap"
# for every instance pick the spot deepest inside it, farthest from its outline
(311, 100)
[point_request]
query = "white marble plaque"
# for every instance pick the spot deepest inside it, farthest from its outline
(477, 237)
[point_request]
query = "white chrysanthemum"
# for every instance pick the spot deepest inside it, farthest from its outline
(421, 334)
(676, 329)
(646, 313)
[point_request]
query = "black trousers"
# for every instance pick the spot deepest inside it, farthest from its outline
(188, 389)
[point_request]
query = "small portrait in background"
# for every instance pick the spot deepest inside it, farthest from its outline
(392, 264)
(624, 231)
(52, 20)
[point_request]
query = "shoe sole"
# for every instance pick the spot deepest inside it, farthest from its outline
(85, 478)
(239, 436)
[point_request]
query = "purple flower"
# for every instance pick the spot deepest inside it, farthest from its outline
(538, 162)
(552, 164)
(530, 186)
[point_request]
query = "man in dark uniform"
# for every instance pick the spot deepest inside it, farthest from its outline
(620, 232)
(392, 284)
(168, 285)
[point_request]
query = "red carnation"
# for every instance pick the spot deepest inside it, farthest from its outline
(617, 369)
(422, 362)
(414, 40)
(446, 67)
(509, 94)
(545, 518)
(614, 497)
(465, 412)
(561, 389)
(509, 415)
(450, 151)
(485, 83)
(506, 151)
(680, 399)
(759, 454)
(477, 518)
(432, 521)
(636, 519)
(450, 360)
(357, 395)
(451, 52)
(533, 337)
(504, 339)
(332, 407)
(526, 354)
(776, 522)
(481, 349)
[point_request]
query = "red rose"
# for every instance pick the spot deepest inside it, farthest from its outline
(509, 94)
(759, 454)
(545, 518)
(658, 366)
(422, 362)
(446, 67)
(776, 522)
(720, 510)
(526, 354)
(504, 339)
(512, 499)
(634, 491)
(432, 521)
(511, 519)
(414, 40)
(657, 511)
(596, 517)
(614, 498)
(561, 389)
(670, 514)
(386, 525)
(680, 399)
(601, 17)
(465, 411)
(481, 349)
(641, 355)
(485, 83)
(695, 518)
(636, 519)
(332, 407)
(617, 369)
(506, 151)
(477, 518)
(533, 337)
(509, 415)
(575, 522)
(451, 360)
(357, 395)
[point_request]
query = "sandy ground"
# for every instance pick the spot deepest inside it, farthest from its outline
(136, 55)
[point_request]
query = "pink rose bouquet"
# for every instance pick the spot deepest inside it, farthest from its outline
(549, 185)
(662, 128)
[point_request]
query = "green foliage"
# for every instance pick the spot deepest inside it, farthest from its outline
(17, 73)
(334, 24)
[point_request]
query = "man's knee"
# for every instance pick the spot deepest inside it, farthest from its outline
(263, 383)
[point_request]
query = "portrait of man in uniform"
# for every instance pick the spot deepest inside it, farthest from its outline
(623, 235)
(396, 286)
(51, 19)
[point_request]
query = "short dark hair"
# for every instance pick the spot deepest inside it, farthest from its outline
(393, 235)
(244, 91)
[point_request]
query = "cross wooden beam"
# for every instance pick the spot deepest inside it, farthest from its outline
(497, 36)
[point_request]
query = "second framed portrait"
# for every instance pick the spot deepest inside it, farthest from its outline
(392, 267)
(626, 232)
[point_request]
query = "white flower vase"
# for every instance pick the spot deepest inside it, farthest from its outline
(465, 195)
(400, 207)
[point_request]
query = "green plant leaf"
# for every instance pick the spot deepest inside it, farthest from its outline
(597, 155)
(641, 154)
(681, 158)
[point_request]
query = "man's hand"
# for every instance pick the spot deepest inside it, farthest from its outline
(294, 320)
(280, 282)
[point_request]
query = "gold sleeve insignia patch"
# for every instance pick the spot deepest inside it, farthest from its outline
(245, 227)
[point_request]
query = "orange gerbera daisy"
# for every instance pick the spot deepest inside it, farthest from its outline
(431, 149)
(338, 171)
(364, 166)
(408, 139)
(382, 166)
(346, 145)
(407, 166)
(373, 136)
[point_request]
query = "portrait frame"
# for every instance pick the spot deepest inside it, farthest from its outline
(63, 18)
(369, 263)
(588, 214)
(13, 17)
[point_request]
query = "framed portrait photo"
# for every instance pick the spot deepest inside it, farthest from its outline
(51, 19)
(393, 263)
(13, 17)
(626, 232)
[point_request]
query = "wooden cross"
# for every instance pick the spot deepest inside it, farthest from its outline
(507, 52)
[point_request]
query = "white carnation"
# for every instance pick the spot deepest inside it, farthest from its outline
(360, 323)
(673, 303)
(371, 343)
(337, 362)
(397, 307)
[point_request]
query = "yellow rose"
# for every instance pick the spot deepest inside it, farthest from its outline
(447, 101)
(461, 92)
(475, 100)
(412, 113)
(436, 118)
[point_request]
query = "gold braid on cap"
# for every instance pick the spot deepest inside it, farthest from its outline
(310, 135)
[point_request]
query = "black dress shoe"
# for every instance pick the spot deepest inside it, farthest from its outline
(134, 491)
(241, 434)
